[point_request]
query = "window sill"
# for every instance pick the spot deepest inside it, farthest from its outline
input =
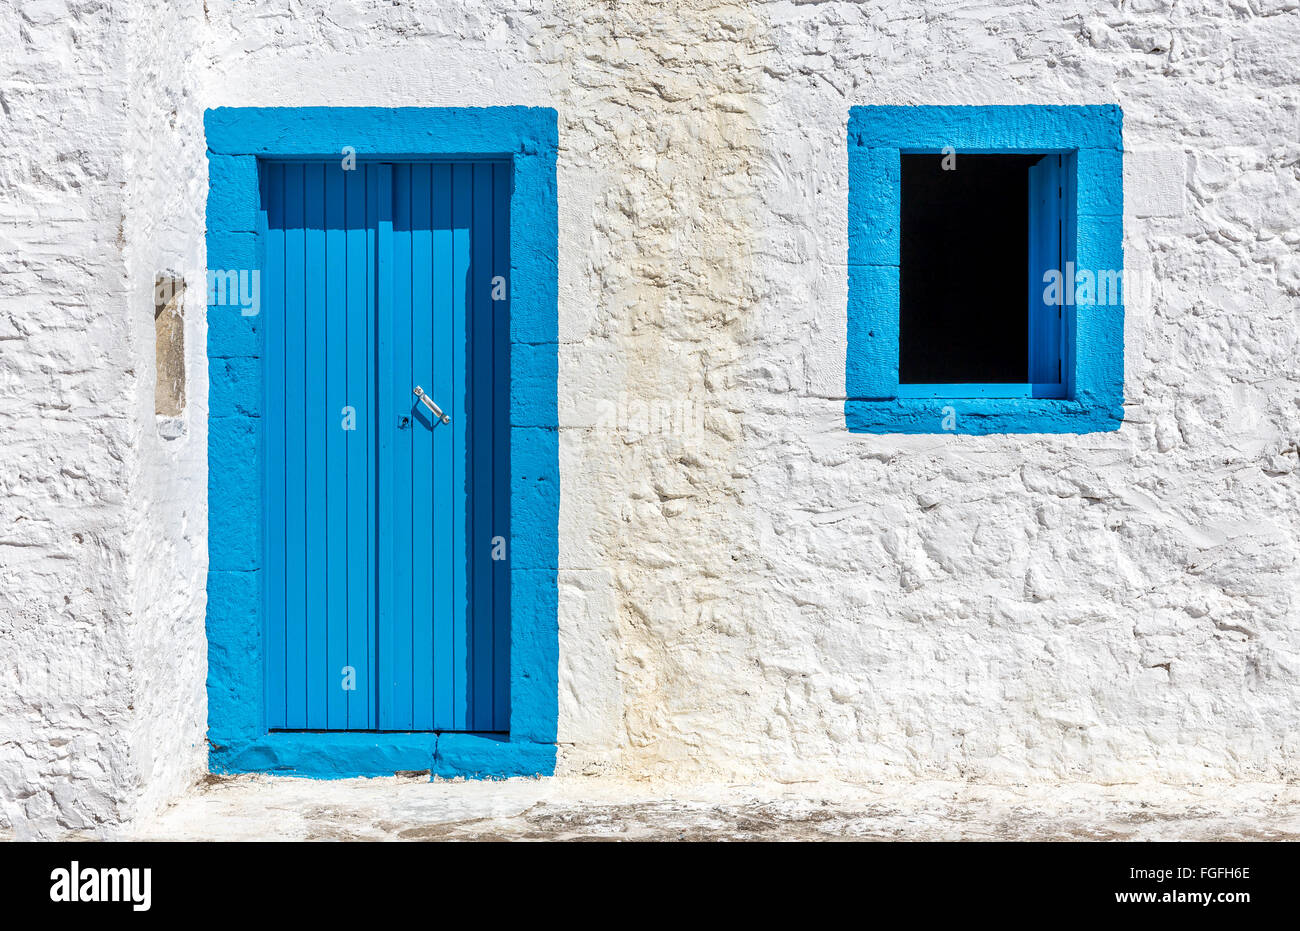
(992, 390)
(979, 416)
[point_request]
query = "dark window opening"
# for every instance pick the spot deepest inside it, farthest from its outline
(964, 278)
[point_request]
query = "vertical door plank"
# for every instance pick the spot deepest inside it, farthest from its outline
(482, 530)
(443, 353)
(295, 541)
(359, 274)
(378, 208)
(312, 403)
(402, 474)
(338, 570)
(501, 447)
(424, 425)
(389, 411)
(273, 310)
(461, 209)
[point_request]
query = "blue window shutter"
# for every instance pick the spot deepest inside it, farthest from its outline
(1046, 222)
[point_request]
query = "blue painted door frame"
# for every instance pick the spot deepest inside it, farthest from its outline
(467, 186)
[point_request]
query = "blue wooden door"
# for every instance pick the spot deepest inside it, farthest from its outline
(387, 526)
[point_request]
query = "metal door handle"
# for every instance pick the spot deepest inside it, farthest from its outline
(428, 402)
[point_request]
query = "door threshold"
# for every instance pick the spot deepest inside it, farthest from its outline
(345, 754)
(501, 735)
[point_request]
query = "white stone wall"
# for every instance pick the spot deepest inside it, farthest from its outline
(1108, 607)
(101, 608)
(166, 169)
(746, 589)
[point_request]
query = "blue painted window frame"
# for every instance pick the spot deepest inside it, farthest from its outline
(875, 402)
(239, 139)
